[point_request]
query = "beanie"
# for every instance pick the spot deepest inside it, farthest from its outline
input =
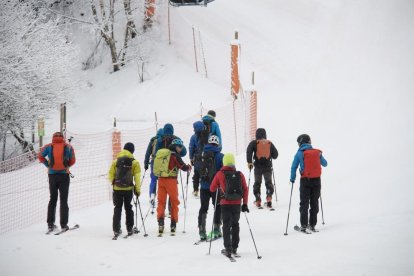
(212, 113)
(228, 160)
(129, 147)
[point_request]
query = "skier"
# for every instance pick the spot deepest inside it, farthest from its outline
(58, 157)
(310, 161)
(165, 140)
(150, 153)
(233, 187)
(263, 151)
(211, 127)
(195, 150)
(211, 162)
(166, 165)
(124, 171)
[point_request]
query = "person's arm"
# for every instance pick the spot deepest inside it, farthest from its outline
(324, 163)
(249, 152)
(215, 183)
(72, 157)
(273, 151)
(179, 163)
(245, 189)
(294, 167)
(218, 132)
(112, 171)
(148, 152)
(136, 171)
(192, 147)
(42, 155)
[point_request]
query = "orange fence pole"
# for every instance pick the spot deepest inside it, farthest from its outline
(235, 82)
(150, 9)
(253, 111)
(116, 143)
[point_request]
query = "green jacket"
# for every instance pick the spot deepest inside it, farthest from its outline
(136, 172)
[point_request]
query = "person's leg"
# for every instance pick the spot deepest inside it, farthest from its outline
(162, 198)
(202, 214)
(118, 200)
(153, 183)
(51, 208)
(267, 174)
(258, 174)
(235, 228)
(304, 201)
(217, 215)
(314, 201)
(226, 215)
(129, 213)
(172, 191)
(63, 187)
(196, 181)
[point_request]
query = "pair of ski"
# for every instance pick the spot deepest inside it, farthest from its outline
(134, 231)
(206, 240)
(261, 207)
(232, 257)
(76, 226)
(172, 234)
(307, 231)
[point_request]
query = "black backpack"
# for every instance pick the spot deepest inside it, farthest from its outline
(205, 133)
(123, 176)
(234, 189)
(167, 140)
(207, 166)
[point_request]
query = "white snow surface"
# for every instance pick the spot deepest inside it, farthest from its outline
(340, 71)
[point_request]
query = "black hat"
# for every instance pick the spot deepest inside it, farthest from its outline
(304, 139)
(129, 147)
(212, 113)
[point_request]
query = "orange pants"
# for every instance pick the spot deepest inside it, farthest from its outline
(167, 186)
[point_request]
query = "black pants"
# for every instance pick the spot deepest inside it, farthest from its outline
(58, 184)
(196, 180)
(259, 173)
(122, 198)
(310, 190)
(230, 214)
(205, 196)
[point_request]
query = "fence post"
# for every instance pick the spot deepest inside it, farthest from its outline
(195, 50)
(116, 143)
(41, 130)
(63, 119)
(253, 110)
(235, 81)
(149, 12)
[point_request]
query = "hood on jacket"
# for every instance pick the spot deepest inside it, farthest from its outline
(208, 118)
(213, 148)
(305, 147)
(125, 153)
(160, 132)
(261, 133)
(228, 168)
(58, 140)
(198, 126)
(168, 129)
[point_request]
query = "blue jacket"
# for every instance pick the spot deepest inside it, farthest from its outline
(169, 130)
(149, 152)
(298, 161)
(218, 159)
(195, 146)
(215, 129)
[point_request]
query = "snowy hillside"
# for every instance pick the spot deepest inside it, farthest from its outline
(341, 71)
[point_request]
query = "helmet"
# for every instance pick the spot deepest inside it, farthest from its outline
(177, 142)
(304, 139)
(213, 139)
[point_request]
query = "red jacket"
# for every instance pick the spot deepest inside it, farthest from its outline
(177, 162)
(219, 180)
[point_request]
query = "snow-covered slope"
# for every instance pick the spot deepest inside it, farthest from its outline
(338, 70)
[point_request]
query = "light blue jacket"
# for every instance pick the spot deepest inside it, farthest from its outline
(298, 161)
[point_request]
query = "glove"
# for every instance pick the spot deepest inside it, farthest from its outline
(192, 162)
(244, 208)
(146, 165)
(250, 166)
(292, 181)
(137, 193)
(152, 199)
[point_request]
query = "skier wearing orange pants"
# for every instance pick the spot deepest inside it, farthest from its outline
(167, 162)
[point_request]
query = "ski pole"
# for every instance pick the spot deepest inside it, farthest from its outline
(186, 196)
(212, 224)
(274, 181)
(251, 233)
(145, 218)
(250, 173)
(136, 231)
(323, 221)
(290, 201)
(182, 189)
(142, 219)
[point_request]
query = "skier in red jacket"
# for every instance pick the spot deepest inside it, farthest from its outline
(233, 189)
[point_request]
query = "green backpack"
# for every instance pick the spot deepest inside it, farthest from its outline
(161, 163)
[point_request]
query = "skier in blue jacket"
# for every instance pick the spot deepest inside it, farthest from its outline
(213, 127)
(195, 150)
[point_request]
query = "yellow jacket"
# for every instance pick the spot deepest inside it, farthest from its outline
(136, 172)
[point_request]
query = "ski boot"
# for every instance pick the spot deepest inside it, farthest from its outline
(173, 226)
(216, 232)
(161, 225)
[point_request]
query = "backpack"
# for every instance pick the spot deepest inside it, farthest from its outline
(167, 140)
(205, 133)
(207, 166)
(59, 161)
(123, 176)
(154, 147)
(312, 163)
(263, 149)
(161, 164)
(234, 189)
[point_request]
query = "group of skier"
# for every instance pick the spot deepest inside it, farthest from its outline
(215, 178)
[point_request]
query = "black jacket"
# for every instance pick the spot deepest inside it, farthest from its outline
(252, 148)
